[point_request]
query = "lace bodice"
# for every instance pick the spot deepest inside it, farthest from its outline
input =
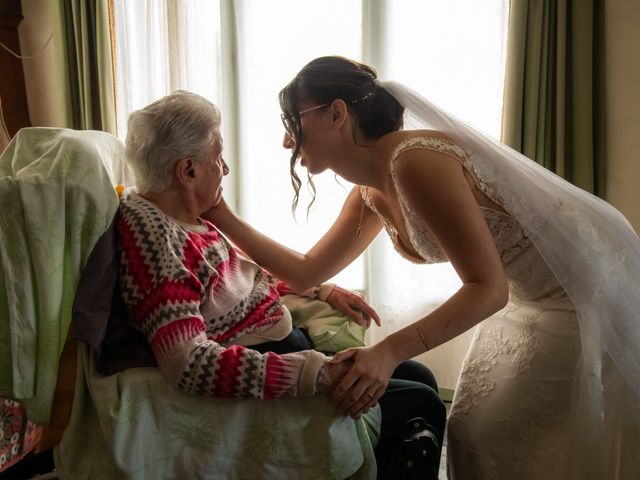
(529, 276)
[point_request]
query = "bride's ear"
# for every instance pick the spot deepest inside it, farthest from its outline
(339, 113)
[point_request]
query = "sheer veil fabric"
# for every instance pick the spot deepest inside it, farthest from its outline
(595, 255)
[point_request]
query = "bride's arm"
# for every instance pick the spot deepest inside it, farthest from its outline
(332, 253)
(437, 190)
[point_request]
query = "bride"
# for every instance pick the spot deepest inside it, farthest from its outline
(550, 274)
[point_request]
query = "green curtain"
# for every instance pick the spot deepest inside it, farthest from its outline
(85, 63)
(554, 99)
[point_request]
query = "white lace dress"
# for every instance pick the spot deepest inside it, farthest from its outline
(510, 411)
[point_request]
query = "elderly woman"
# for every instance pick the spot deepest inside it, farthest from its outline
(198, 301)
(214, 319)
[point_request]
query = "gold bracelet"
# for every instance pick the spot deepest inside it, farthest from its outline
(424, 342)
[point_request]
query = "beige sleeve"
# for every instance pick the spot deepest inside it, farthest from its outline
(308, 376)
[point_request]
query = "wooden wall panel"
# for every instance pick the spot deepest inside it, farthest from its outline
(12, 90)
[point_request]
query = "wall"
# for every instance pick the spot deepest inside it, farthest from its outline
(13, 98)
(623, 103)
(43, 80)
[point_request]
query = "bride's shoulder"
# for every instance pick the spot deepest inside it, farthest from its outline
(408, 136)
(398, 142)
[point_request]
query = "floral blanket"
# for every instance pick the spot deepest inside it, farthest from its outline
(135, 425)
(18, 436)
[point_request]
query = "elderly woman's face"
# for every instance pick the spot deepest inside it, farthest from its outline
(209, 173)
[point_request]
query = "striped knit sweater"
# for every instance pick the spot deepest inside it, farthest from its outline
(194, 298)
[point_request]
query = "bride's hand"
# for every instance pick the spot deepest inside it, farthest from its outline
(218, 213)
(353, 305)
(365, 382)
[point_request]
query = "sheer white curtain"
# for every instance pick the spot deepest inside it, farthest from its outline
(239, 54)
(275, 39)
(162, 46)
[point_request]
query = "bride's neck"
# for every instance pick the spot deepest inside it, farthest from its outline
(366, 165)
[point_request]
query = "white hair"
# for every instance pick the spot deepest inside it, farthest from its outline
(180, 125)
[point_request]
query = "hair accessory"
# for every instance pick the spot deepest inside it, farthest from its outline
(358, 100)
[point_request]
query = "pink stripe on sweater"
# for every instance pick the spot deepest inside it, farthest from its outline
(194, 255)
(135, 262)
(283, 288)
(228, 371)
(174, 334)
(168, 292)
(196, 244)
(276, 379)
(256, 318)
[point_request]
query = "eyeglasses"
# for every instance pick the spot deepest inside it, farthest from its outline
(286, 120)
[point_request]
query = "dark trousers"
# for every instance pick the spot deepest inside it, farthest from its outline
(412, 393)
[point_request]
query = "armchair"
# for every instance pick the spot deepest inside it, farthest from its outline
(59, 185)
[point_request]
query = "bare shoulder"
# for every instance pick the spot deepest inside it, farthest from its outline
(392, 140)
(424, 164)
(418, 167)
(427, 174)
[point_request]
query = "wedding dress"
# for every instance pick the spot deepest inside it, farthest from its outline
(550, 387)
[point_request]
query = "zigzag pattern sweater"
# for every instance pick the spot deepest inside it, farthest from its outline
(194, 298)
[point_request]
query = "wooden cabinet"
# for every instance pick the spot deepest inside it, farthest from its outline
(12, 89)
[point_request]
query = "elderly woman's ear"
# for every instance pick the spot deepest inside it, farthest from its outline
(185, 172)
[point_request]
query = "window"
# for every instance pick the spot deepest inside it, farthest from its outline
(275, 39)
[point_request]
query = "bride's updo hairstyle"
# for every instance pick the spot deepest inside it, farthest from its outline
(374, 110)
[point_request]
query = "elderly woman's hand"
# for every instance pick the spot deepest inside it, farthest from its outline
(353, 305)
(331, 374)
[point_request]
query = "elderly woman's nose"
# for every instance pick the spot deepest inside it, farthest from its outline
(225, 168)
(287, 141)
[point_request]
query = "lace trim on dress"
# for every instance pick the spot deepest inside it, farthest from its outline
(448, 147)
(389, 227)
